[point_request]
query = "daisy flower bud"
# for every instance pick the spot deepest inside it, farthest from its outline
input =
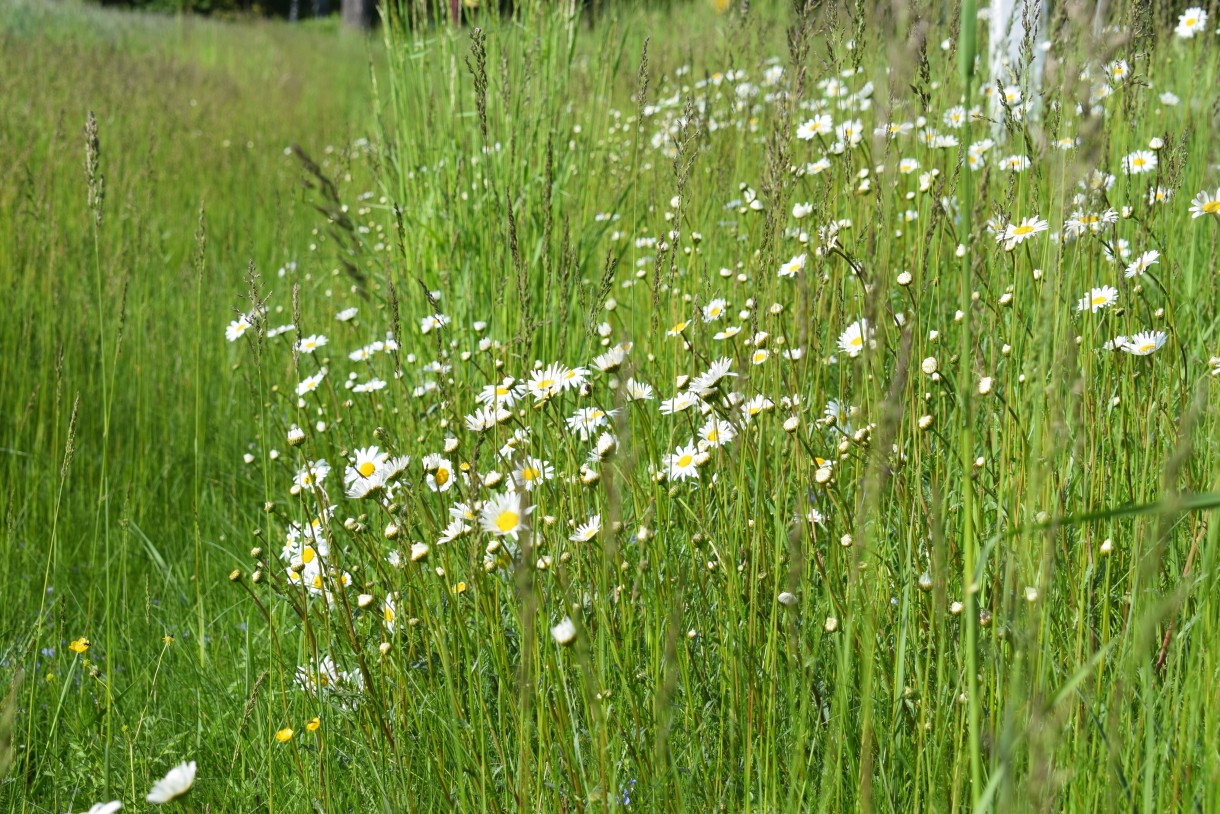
(364, 600)
(928, 365)
(831, 624)
(787, 599)
(296, 436)
(564, 632)
(985, 385)
(791, 423)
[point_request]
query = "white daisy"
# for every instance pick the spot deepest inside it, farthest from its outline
(175, 784)
(587, 531)
(503, 515)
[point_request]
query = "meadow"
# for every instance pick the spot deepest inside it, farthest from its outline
(707, 407)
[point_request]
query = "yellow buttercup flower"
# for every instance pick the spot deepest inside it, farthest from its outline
(284, 735)
(80, 645)
(314, 724)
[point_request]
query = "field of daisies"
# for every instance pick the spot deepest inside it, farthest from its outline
(735, 407)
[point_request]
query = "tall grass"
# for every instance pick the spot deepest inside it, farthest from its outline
(965, 564)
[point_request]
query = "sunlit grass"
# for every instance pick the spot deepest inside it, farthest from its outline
(919, 516)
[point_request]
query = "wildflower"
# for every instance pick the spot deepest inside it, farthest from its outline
(433, 322)
(717, 432)
(175, 784)
(1143, 263)
(1205, 204)
(502, 516)
(820, 125)
(486, 418)
(1144, 343)
(505, 394)
(79, 645)
(587, 419)
(388, 611)
(1097, 299)
(310, 383)
(1015, 163)
(681, 464)
(756, 406)
(532, 472)
(1012, 236)
(793, 266)
(105, 808)
(284, 735)
(714, 309)
(705, 383)
(308, 344)
(851, 341)
(611, 360)
(365, 465)
(1139, 162)
(1190, 22)
(546, 382)
(639, 391)
(564, 632)
(440, 473)
(237, 328)
(678, 403)
(314, 724)
(587, 531)
(573, 378)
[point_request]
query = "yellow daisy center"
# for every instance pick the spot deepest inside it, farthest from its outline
(1212, 207)
(441, 476)
(1147, 347)
(546, 384)
(530, 473)
(307, 555)
(856, 341)
(507, 521)
(685, 460)
(1023, 229)
(1100, 299)
(366, 468)
(713, 435)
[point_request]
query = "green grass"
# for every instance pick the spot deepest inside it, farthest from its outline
(1009, 602)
